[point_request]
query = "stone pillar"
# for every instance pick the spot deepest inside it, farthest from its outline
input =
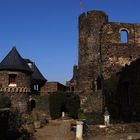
(79, 130)
(63, 114)
(106, 117)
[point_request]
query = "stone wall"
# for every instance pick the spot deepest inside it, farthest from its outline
(72, 84)
(22, 79)
(18, 93)
(43, 89)
(49, 87)
(116, 54)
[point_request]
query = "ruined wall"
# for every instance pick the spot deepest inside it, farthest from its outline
(116, 54)
(72, 84)
(101, 51)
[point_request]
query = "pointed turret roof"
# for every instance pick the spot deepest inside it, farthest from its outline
(13, 61)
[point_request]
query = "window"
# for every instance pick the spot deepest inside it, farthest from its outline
(12, 79)
(72, 88)
(36, 88)
(124, 36)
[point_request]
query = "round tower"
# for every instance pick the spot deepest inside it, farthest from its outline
(15, 79)
(90, 25)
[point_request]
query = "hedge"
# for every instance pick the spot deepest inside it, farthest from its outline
(62, 101)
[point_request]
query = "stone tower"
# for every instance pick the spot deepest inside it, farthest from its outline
(90, 26)
(19, 78)
(15, 80)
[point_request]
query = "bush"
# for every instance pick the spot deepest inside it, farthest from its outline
(56, 100)
(110, 91)
(81, 115)
(15, 120)
(4, 115)
(73, 105)
(42, 102)
(67, 102)
(4, 101)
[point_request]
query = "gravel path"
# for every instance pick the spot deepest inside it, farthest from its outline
(60, 130)
(55, 131)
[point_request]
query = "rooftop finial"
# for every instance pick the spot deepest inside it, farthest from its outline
(14, 45)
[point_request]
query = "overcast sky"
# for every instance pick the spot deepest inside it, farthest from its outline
(46, 31)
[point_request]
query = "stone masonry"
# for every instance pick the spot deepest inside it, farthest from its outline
(22, 79)
(101, 51)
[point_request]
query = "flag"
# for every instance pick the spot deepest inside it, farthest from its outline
(81, 4)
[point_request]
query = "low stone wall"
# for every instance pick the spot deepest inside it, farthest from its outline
(19, 101)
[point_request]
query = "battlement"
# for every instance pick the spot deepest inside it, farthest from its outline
(15, 90)
(93, 13)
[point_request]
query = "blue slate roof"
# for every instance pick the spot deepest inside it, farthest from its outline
(36, 75)
(13, 61)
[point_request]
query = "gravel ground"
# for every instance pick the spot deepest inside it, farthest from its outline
(55, 131)
(60, 130)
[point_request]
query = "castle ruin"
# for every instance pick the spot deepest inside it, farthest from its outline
(102, 51)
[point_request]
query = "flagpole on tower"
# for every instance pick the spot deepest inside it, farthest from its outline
(81, 5)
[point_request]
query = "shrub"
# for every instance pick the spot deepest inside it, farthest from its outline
(15, 120)
(81, 114)
(42, 102)
(110, 91)
(4, 115)
(56, 100)
(67, 102)
(73, 105)
(4, 101)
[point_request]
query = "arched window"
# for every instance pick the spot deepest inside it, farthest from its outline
(124, 36)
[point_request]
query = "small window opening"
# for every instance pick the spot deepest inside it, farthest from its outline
(72, 88)
(12, 79)
(99, 83)
(124, 36)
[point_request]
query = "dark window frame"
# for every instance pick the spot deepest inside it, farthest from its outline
(12, 78)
